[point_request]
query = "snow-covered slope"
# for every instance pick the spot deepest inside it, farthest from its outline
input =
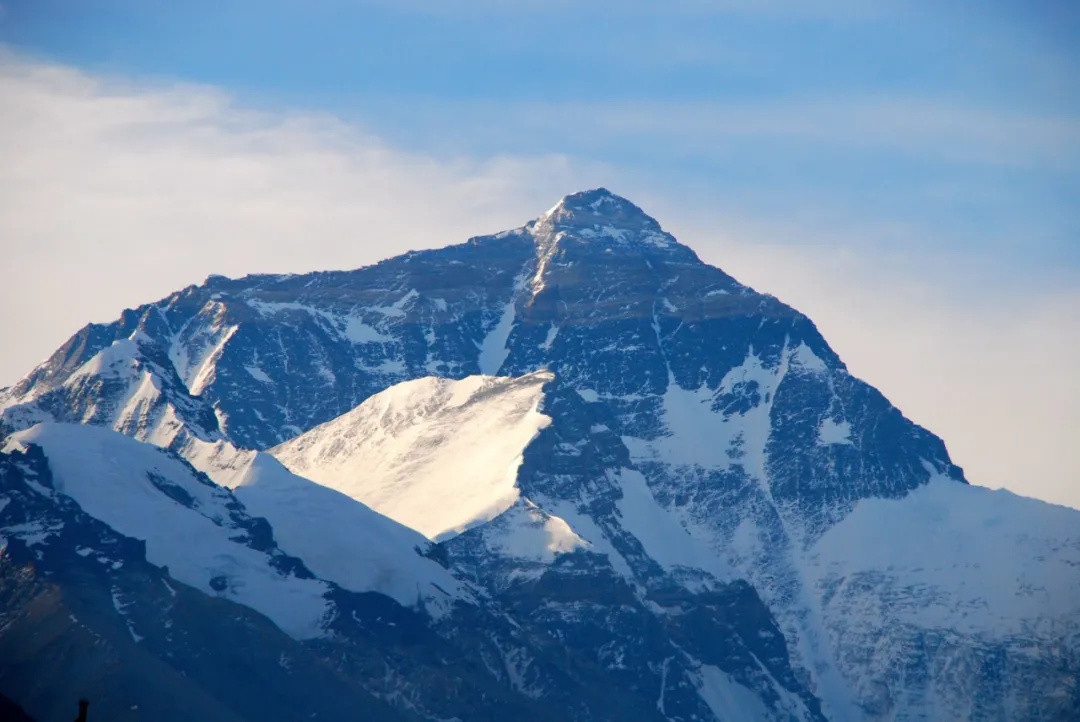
(341, 539)
(219, 541)
(437, 455)
(963, 587)
(195, 528)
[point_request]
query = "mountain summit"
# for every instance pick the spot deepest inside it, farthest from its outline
(598, 220)
(598, 207)
(636, 489)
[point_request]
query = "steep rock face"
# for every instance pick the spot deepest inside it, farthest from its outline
(595, 563)
(701, 434)
(338, 337)
(129, 385)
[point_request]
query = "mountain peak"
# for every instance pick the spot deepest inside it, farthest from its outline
(598, 208)
(599, 215)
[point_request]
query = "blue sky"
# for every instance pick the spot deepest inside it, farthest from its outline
(956, 118)
(906, 173)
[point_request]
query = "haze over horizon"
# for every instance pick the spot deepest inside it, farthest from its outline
(906, 177)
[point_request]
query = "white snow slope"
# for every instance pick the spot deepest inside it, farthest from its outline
(341, 539)
(136, 489)
(338, 539)
(437, 455)
(957, 569)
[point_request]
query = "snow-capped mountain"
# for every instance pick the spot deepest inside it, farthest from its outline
(639, 489)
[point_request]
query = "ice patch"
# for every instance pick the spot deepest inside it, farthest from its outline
(528, 532)
(553, 331)
(493, 351)
(834, 432)
(697, 434)
(358, 332)
(349, 327)
(258, 374)
(588, 395)
(727, 698)
(397, 308)
(804, 358)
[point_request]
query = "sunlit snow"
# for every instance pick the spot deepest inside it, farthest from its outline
(437, 455)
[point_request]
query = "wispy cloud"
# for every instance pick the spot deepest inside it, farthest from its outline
(914, 126)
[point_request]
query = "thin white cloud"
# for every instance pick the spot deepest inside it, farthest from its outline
(915, 127)
(114, 193)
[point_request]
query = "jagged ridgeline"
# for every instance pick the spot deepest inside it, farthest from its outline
(566, 471)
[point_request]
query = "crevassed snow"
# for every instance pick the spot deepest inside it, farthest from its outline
(975, 567)
(107, 474)
(434, 454)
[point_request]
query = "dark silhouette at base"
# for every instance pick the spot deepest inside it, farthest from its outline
(83, 704)
(11, 712)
